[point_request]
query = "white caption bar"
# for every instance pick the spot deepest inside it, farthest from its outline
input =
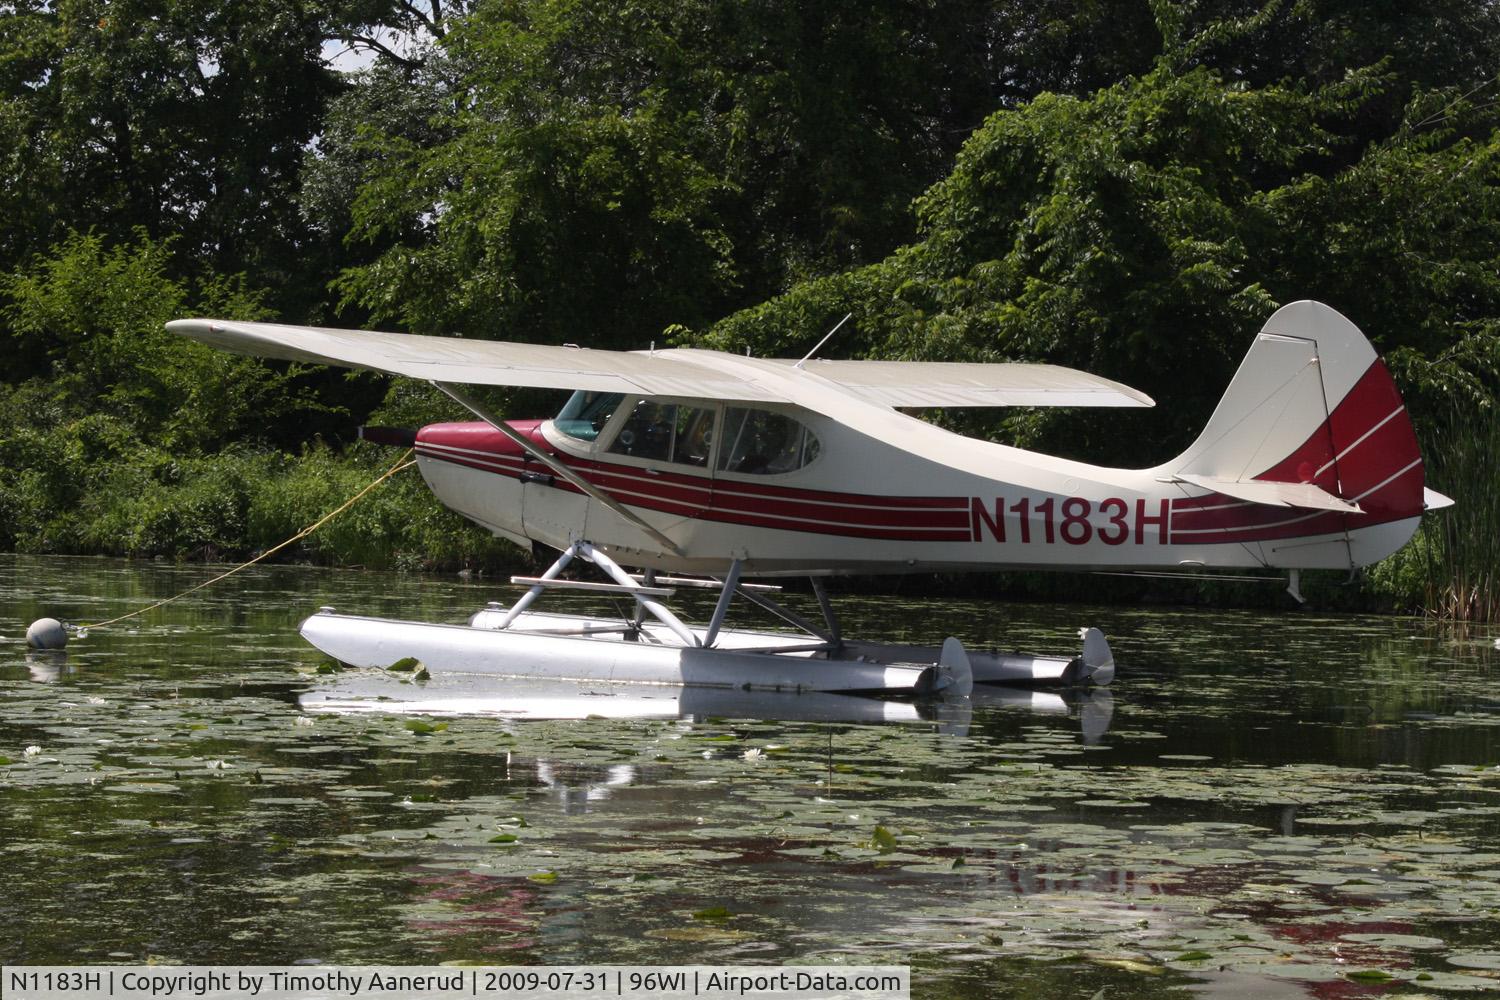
(499, 982)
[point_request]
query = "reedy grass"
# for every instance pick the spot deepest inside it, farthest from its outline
(1460, 546)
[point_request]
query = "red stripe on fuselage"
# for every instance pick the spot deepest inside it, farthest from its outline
(724, 501)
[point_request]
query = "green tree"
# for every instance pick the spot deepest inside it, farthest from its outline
(599, 170)
(92, 315)
(187, 119)
(137, 442)
(1148, 229)
(30, 172)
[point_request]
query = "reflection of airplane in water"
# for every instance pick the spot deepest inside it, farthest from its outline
(612, 821)
(1038, 884)
(514, 698)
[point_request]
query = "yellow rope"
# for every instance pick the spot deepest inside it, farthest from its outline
(401, 463)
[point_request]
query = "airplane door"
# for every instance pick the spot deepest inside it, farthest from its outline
(552, 510)
(693, 453)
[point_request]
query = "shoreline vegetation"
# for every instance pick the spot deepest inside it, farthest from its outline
(1128, 189)
(1455, 556)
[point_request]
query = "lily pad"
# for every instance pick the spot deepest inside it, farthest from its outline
(1475, 960)
(1414, 942)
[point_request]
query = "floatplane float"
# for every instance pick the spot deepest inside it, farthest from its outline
(699, 468)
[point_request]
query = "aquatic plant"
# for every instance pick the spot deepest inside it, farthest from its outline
(1263, 803)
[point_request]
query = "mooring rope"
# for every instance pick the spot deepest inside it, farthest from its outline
(401, 463)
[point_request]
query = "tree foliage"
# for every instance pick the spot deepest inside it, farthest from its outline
(186, 119)
(1147, 229)
(92, 316)
(601, 170)
(137, 442)
(1126, 187)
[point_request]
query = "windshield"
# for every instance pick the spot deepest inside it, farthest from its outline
(584, 415)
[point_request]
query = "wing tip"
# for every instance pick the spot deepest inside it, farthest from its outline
(188, 327)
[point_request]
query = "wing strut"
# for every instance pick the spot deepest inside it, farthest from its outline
(529, 446)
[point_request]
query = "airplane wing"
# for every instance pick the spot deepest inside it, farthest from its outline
(946, 383)
(474, 362)
(680, 373)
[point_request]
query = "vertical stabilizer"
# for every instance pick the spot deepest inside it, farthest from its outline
(1312, 422)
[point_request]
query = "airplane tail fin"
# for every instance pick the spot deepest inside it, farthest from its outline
(1313, 440)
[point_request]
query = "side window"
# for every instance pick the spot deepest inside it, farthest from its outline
(584, 415)
(760, 442)
(647, 432)
(695, 435)
(667, 432)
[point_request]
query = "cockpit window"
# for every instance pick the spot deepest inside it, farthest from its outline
(695, 435)
(667, 432)
(584, 415)
(761, 442)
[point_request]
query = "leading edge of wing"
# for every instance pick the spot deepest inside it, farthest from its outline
(953, 383)
(475, 362)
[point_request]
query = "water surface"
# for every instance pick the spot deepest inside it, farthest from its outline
(1262, 805)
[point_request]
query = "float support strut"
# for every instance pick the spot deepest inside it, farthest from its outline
(531, 595)
(657, 609)
(731, 581)
(829, 618)
(785, 614)
(648, 579)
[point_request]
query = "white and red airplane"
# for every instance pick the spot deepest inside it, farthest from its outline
(690, 461)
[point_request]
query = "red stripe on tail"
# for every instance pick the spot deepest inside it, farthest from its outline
(1366, 451)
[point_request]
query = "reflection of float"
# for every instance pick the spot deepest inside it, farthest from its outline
(518, 698)
(1092, 707)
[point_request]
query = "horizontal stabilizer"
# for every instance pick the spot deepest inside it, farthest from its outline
(1433, 500)
(1274, 494)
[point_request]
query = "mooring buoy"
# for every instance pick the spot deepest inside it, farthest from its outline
(49, 633)
(46, 633)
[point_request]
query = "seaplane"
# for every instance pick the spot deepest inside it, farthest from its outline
(692, 468)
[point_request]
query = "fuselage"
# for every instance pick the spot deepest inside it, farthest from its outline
(791, 491)
(689, 460)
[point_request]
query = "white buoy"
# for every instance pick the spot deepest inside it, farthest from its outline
(46, 633)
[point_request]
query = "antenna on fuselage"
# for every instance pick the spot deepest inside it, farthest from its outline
(820, 343)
